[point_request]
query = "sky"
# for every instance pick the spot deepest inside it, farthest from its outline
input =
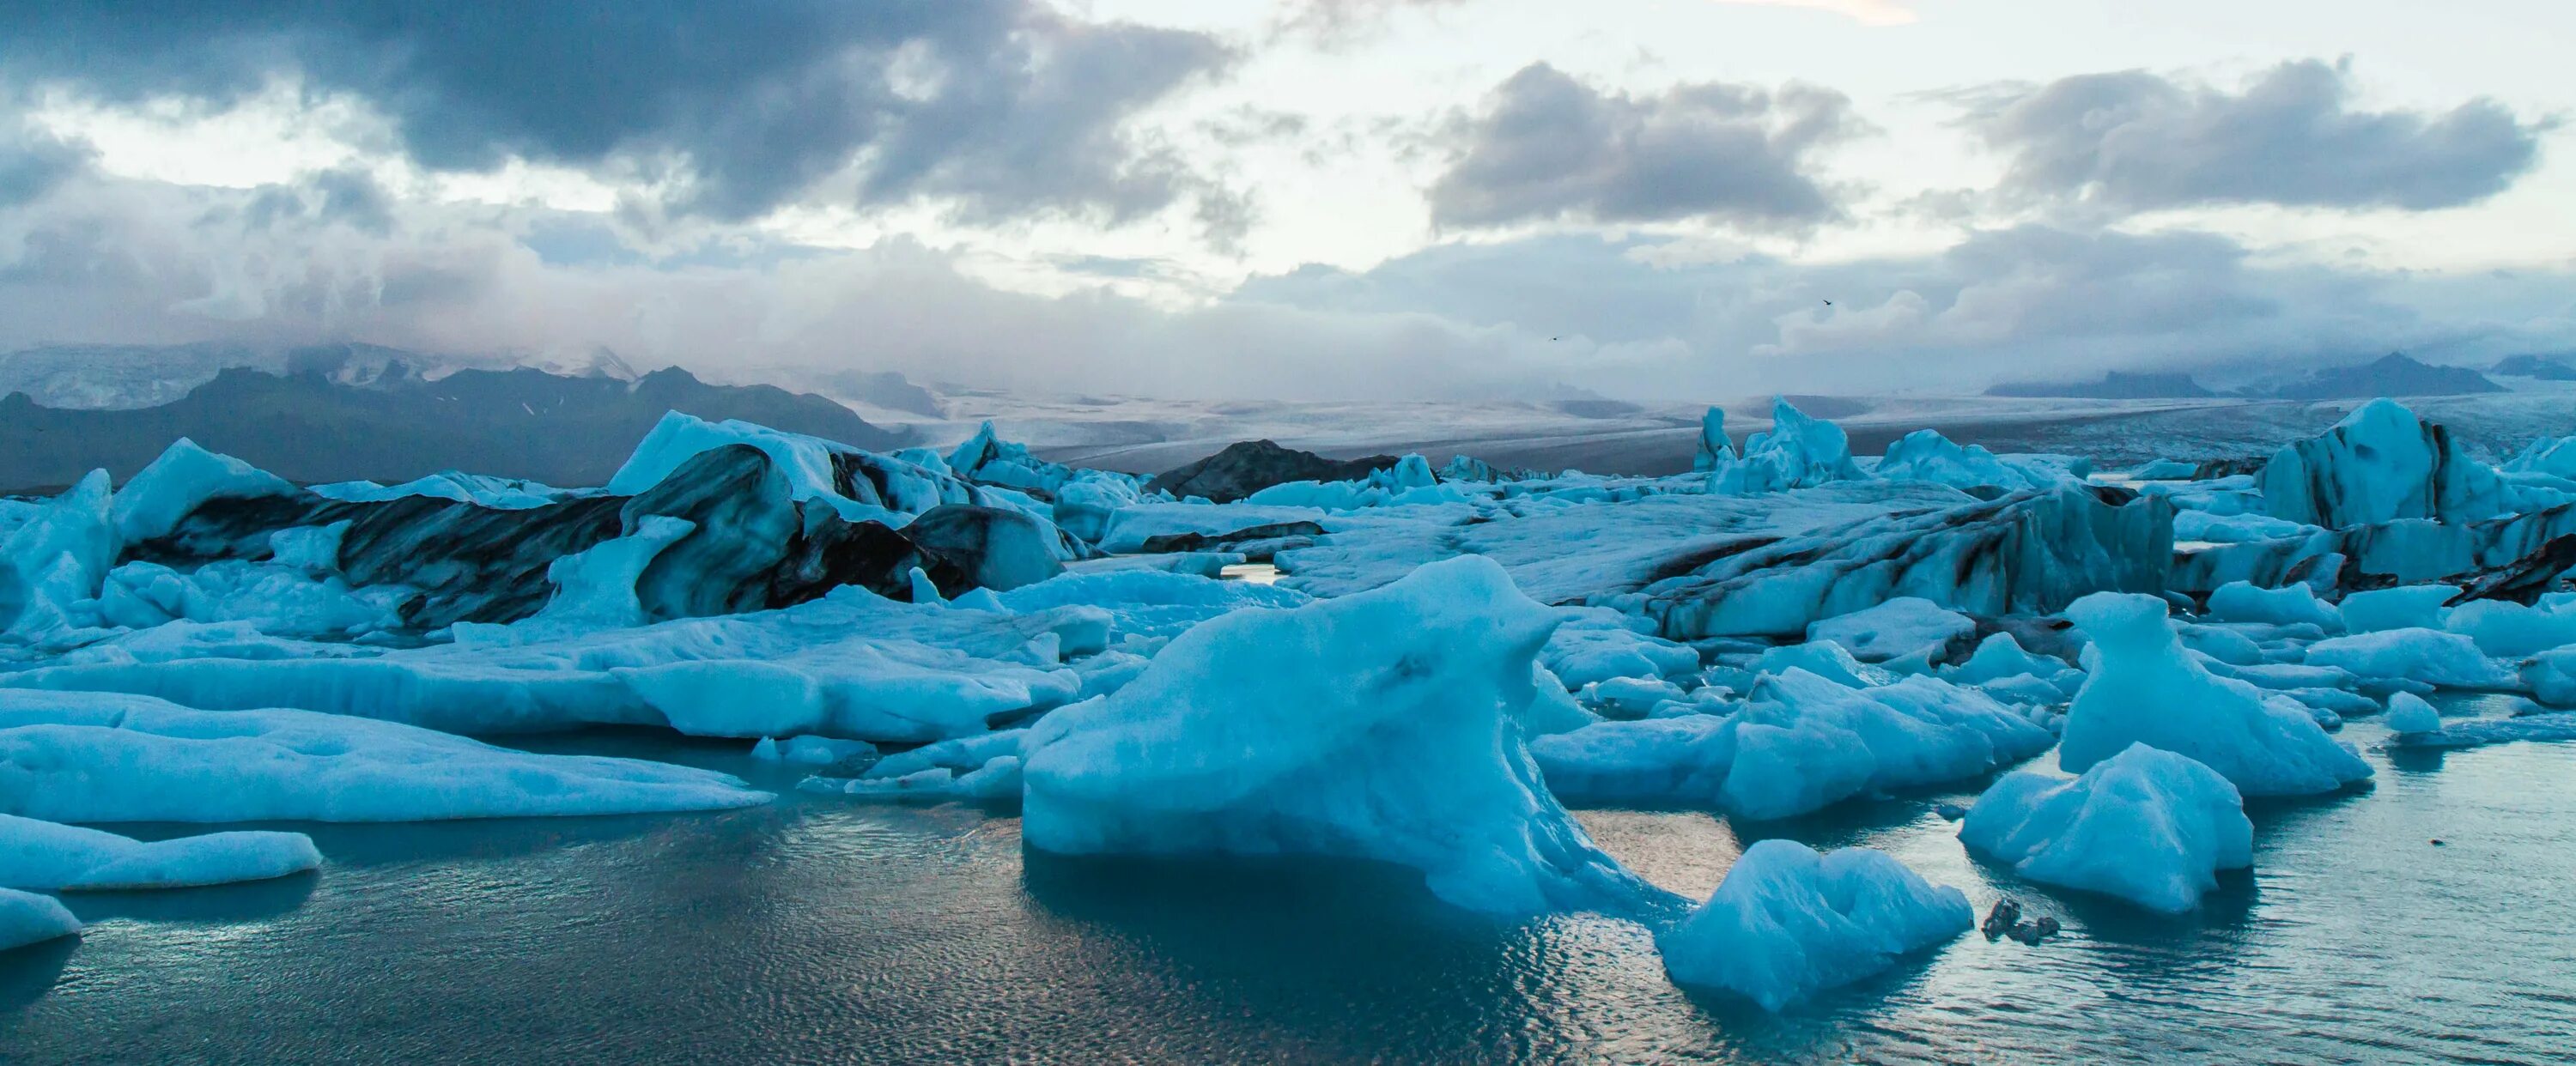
(1310, 199)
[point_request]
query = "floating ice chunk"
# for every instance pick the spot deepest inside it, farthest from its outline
(2405, 607)
(2511, 630)
(994, 781)
(48, 857)
(1381, 727)
(1825, 659)
(1901, 627)
(1926, 455)
(498, 493)
(2146, 825)
(813, 751)
(2379, 464)
(86, 757)
(1800, 743)
(2240, 601)
(1597, 644)
(27, 918)
(2552, 677)
(1797, 452)
(180, 481)
(1712, 449)
(2409, 713)
(2000, 656)
(57, 558)
(2234, 529)
(1788, 922)
(2427, 655)
(2145, 689)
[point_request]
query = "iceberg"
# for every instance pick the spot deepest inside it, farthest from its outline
(1904, 627)
(1382, 727)
(1712, 450)
(2404, 607)
(1797, 452)
(27, 918)
(2288, 605)
(2145, 689)
(1787, 923)
(87, 757)
(1798, 744)
(2379, 464)
(1926, 455)
(2409, 714)
(48, 857)
(2145, 825)
(2428, 656)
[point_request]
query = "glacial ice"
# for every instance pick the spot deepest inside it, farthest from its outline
(1799, 743)
(2146, 825)
(1797, 452)
(1787, 923)
(181, 480)
(2409, 713)
(2429, 656)
(2379, 464)
(1903, 627)
(1926, 455)
(2240, 601)
(1382, 728)
(87, 757)
(2145, 689)
(27, 918)
(2403, 607)
(1712, 449)
(49, 857)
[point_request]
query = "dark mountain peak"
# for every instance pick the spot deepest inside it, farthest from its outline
(315, 424)
(2394, 374)
(2113, 385)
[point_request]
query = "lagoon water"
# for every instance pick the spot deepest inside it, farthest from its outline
(817, 930)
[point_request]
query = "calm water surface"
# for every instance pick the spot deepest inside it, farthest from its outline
(816, 930)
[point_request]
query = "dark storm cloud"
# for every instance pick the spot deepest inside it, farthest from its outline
(34, 161)
(1548, 146)
(999, 105)
(2134, 140)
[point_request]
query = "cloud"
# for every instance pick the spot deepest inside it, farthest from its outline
(2138, 141)
(1001, 106)
(1865, 12)
(1547, 146)
(2023, 302)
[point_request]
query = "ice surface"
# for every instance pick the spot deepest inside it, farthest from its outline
(1380, 726)
(27, 918)
(87, 757)
(2145, 689)
(1899, 628)
(49, 857)
(500, 493)
(2146, 825)
(1787, 923)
